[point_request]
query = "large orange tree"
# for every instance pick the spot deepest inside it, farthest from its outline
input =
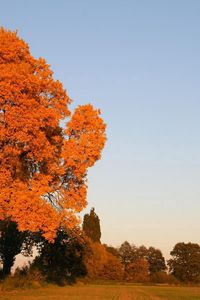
(43, 166)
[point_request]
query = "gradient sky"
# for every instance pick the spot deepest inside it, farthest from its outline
(139, 61)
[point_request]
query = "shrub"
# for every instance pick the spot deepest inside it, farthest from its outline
(23, 278)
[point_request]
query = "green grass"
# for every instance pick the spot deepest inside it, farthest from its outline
(104, 292)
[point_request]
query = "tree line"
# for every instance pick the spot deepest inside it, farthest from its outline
(80, 254)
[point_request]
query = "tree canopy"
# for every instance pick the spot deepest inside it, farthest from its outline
(185, 262)
(43, 166)
(156, 260)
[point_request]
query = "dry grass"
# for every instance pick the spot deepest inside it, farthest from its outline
(104, 292)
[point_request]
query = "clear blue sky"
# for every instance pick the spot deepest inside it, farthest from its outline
(139, 61)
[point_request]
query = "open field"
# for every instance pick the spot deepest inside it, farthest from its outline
(104, 292)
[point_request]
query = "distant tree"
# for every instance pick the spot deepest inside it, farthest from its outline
(61, 261)
(137, 271)
(185, 262)
(156, 260)
(142, 252)
(12, 242)
(113, 269)
(133, 257)
(91, 226)
(127, 253)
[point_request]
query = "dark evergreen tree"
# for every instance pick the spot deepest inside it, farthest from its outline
(91, 226)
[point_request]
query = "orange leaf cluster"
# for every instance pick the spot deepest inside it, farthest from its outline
(43, 167)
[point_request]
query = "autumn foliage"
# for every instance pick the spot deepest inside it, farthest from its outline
(43, 166)
(101, 264)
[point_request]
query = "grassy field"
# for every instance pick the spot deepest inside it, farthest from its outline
(104, 292)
